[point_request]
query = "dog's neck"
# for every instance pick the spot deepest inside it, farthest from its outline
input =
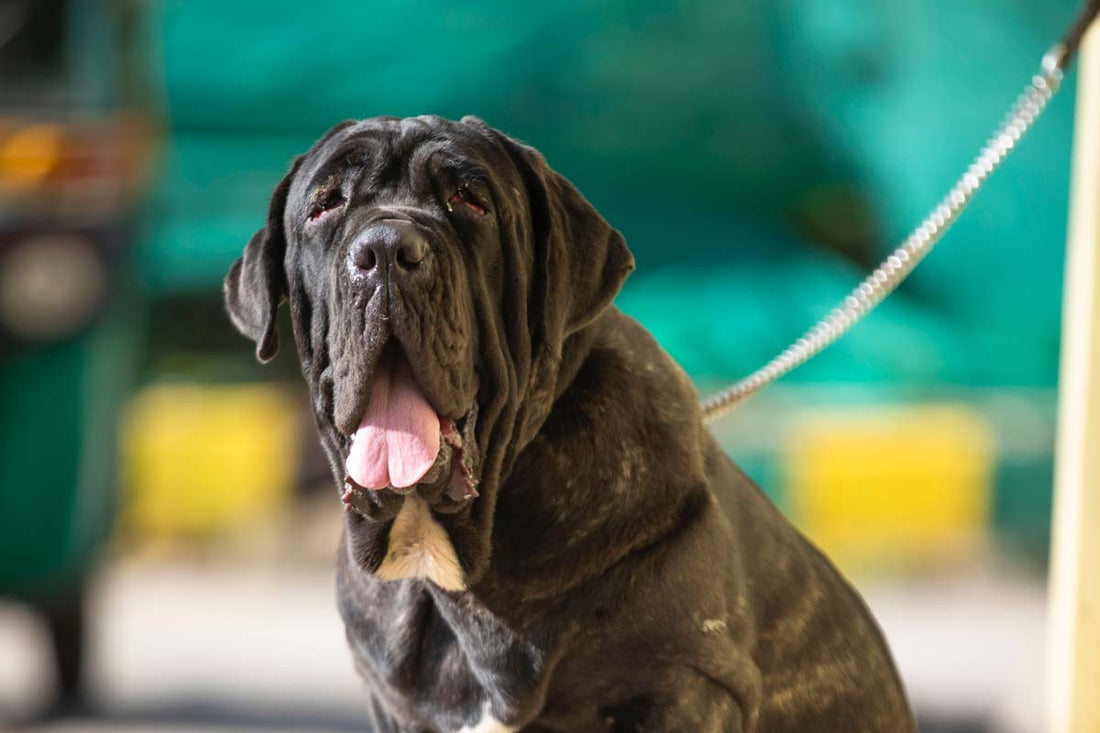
(590, 472)
(587, 472)
(418, 545)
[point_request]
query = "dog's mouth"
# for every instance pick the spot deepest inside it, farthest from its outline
(402, 442)
(398, 437)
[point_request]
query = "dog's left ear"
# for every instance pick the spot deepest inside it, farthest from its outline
(582, 260)
(586, 261)
(256, 283)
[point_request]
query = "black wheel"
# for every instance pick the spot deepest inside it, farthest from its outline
(65, 617)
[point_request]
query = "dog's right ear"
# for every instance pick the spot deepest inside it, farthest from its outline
(583, 261)
(256, 283)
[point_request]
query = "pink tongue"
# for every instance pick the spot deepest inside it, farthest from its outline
(398, 439)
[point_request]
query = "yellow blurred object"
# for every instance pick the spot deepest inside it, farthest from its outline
(198, 460)
(890, 484)
(30, 154)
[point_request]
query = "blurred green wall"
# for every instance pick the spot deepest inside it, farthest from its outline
(759, 156)
(756, 155)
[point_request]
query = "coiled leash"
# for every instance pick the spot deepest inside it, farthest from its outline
(895, 268)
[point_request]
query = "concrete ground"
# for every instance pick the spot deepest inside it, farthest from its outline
(186, 646)
(202, 645)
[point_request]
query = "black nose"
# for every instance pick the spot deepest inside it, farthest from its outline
(388, 248)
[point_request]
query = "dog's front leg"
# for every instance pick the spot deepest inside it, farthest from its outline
(513, 671)
(685, 700)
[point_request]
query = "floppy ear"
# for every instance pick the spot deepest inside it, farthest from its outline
(256, 283)
(582, 261)
(586, 261)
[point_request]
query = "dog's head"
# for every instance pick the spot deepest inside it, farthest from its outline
(435, 271)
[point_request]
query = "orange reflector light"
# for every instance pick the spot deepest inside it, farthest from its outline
(28, 156)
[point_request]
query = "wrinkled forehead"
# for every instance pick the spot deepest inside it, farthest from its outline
(390, 147)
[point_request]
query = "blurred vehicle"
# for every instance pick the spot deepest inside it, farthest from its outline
(75, 140)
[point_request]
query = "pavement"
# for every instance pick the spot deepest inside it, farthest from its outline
(197, 646)
(200, 644)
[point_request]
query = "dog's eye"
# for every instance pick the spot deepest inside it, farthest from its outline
(465, 196)
(326, 202)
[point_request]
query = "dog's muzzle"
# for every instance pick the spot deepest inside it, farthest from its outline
(388, 252)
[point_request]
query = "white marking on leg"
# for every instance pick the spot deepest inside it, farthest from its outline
(487, 724)
(419, 548)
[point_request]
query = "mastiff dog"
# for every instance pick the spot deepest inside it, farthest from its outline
(540, 534)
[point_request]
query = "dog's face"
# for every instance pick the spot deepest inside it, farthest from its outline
(435, 271)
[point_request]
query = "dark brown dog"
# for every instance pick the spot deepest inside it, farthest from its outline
(542, 534)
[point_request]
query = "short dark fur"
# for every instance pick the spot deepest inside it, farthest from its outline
(622, 573)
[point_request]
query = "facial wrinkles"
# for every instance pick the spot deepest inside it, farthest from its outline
(446, 324)
(468, 328)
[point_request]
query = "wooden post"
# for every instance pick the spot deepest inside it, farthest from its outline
(1073, 668)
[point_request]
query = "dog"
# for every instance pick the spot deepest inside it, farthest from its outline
(540, 533)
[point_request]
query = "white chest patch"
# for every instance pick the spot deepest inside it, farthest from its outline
(487, 724)
(419, 548)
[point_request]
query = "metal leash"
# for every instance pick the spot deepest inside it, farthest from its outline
(895, 268)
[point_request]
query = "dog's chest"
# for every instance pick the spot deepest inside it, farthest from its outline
(431, 657)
